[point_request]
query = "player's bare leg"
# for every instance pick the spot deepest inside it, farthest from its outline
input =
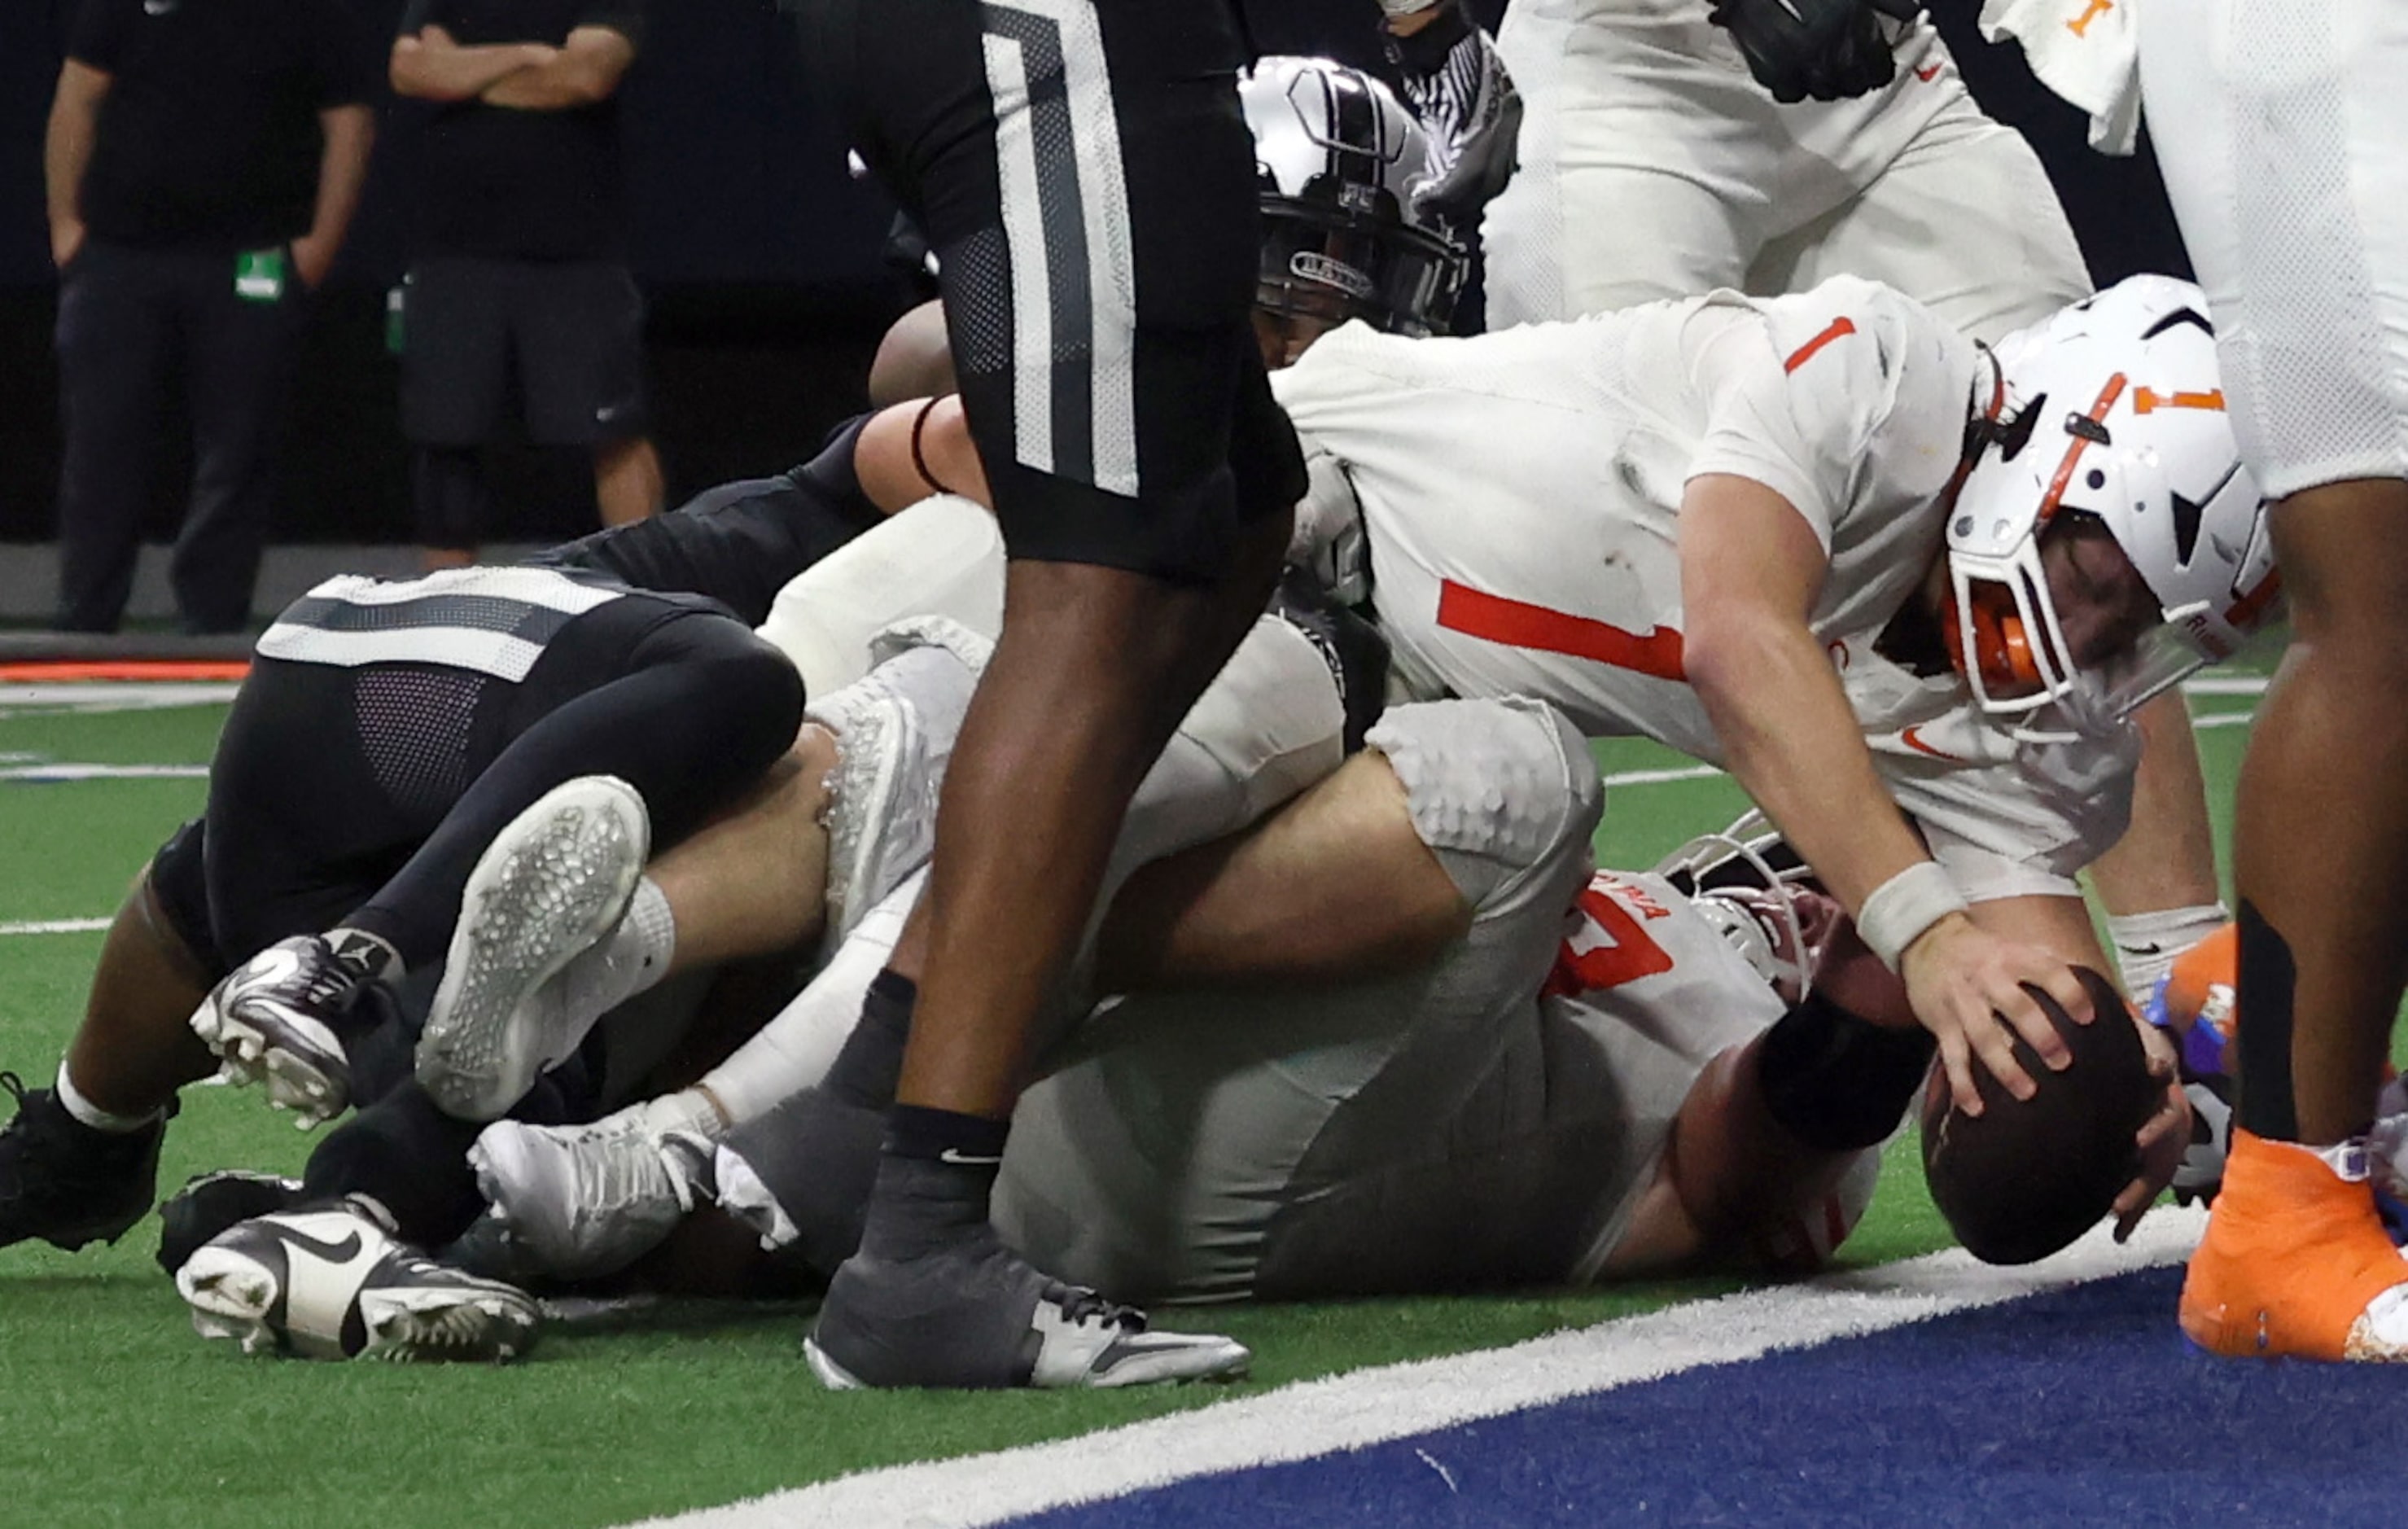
(627, 482)
(2294, 1261)
(1285, 902)
(79, 1159)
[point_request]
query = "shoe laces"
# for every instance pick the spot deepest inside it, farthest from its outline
(1080, 1305)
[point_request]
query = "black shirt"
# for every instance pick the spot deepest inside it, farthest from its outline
(739, 543)
(507, 184)
(208, 136)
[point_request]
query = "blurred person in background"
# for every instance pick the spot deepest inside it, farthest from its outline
(203, 161)
(518, 267)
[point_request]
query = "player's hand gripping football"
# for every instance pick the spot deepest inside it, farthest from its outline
(2162, 1140)
(1829, 49)
(1966, 985)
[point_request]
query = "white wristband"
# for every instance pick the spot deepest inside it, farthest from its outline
(1903, 907)
(1405, 7)
(2146, 945)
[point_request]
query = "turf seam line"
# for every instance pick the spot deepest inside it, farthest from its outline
(1374, 1405)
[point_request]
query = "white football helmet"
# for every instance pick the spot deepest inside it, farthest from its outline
(1734, 886)
(1338, 161)
(2113, 408)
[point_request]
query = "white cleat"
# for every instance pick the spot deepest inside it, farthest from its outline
(895, 729)
(554, 882)
(1078, 1340)
(581, 1202)
(333, 1283)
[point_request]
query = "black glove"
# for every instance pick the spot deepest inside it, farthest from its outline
(1826, 49)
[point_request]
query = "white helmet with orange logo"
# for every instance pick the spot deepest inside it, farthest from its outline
(2113, 409)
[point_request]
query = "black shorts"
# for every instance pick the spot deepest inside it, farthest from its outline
(1084, 172)
(571, 333)
(329, 777)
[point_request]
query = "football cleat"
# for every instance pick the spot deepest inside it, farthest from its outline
(2295, 1263)
(334, 1283)
(980, 1318)
(66, 1182)
(581, 1202)
(278, 1019)
(552, 882)
(895, 729)
(208, 1204)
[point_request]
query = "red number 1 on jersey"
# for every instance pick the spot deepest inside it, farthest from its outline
(1608, 948)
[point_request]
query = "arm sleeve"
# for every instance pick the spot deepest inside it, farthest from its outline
(96, 33)
(351, 67)
(625, 17)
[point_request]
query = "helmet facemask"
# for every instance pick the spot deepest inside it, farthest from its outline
(1734, 886)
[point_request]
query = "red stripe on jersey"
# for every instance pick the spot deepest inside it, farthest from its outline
(1516, 624)
(1803, 353)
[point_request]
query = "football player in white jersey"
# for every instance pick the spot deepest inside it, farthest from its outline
(1721, 523)
(1652, 166)
(1398, 1037)
(2280, 128)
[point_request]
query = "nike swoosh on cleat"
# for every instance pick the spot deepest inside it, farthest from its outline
(332, 1252)
(955, 1155)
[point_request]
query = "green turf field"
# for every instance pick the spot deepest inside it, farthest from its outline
(112, 1411)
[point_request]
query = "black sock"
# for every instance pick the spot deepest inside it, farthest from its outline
(408, 1156)
(2262, 1075)
(872, 1060)
(935, 1177)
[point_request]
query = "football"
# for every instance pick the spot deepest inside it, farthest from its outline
(2027, 1176)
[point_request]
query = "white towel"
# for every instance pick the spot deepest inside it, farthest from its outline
(2088, 52)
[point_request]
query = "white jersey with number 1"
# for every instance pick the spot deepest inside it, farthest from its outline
(1520, 494)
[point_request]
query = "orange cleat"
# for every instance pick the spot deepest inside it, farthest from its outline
(2295, 1263)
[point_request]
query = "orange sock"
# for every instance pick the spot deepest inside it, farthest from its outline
(2292, 1258)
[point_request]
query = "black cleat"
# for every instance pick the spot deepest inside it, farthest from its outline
(208, 1204)
(63, 1181)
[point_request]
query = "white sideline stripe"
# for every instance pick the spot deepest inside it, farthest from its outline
(1370, 1407)
(115, 696)
(56, 926)
(49, 772)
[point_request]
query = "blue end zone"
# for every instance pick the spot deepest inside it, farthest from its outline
(2081, 1406)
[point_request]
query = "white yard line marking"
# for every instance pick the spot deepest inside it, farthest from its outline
(1661, 777)
(55, 925)
(46, 774)
(1398, 1401)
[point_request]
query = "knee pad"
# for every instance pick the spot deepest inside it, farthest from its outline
(1499, 789)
